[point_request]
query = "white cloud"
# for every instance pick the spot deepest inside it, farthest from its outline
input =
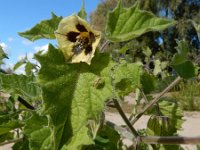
(4, 46)
(43, 48)
(26, 42)
(10, 39)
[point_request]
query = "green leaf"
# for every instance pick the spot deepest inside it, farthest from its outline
(21, 145)
(169, 108)
(70, 95)
(184, 67)
(2, 55)
(82, 13)
(107, 138)
(185, 70)
(20, 84)
(148, 82)
(29, 67)
(37, 130)
(6, 127)
(6, 136)
(18, 64)
(125, 24)
(127, 77)
(34, 123)
(44, 29)
(40, 139)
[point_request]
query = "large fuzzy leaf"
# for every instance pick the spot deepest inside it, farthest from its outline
(70, 93)
(44, 29)
(125, 24)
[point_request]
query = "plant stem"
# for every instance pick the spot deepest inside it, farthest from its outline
(11, 141)
(154, 139)
(121, 112)
(104, 45)
(170, 140)
(156, 99)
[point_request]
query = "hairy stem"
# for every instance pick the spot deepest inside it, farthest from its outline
(156, 99)
(170, 140)
(121, 112)
(104, 45)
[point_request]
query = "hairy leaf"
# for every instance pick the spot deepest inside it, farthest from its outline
(37, 130)
(20, 84)
(70, 94)
(127, 77)
(44, 29)
(125, 24)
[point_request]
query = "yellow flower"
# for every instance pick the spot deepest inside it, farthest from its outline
(77, 40)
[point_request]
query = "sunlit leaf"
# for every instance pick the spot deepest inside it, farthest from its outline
(125, 24)
(44, 29)
(70, 94)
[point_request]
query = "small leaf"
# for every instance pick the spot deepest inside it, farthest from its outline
(29, 67)
(184, 67)
(185, 70)
(20, 84)
(148, 82)
(82, 13)
(44, 29)
(2, 55)
(125, 24)
(18, 64)
(127, 77)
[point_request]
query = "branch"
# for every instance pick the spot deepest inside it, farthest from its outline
(104, 45)
(156, 99)
(154, 139)
(11, 141)
(128, 123)
(170, 140)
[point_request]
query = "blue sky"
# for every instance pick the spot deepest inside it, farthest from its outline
(20, 15)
